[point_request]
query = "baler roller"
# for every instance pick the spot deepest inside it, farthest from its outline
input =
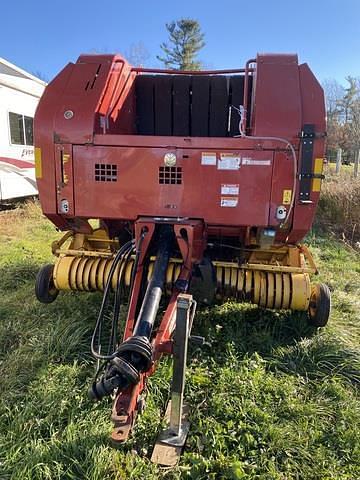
(268, 289)
(90, 273)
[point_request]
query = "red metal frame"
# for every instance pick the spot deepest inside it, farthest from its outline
(191, 72)
(191, 247)
(246, 91)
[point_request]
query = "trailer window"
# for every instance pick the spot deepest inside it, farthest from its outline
(28, 125)
(21, 129)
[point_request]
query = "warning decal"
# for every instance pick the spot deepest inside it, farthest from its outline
(229, 189)
(229, 161)
(253, 161)
(208, 158)
(287, 197)
(229, 201)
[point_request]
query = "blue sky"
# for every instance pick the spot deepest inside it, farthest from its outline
(42, 36)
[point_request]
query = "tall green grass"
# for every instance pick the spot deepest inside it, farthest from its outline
(271, 398)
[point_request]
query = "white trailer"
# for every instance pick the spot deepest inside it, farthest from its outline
(19, 95)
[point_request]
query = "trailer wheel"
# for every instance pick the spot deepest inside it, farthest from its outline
(320, 305)
(45, 290)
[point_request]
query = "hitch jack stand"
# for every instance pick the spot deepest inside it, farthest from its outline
(171, 441)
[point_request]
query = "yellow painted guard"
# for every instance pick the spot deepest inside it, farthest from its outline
(38, 162)
(318, 169)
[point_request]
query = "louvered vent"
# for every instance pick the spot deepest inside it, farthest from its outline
(170, 175)
(105, 172)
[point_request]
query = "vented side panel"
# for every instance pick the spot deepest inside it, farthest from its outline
(200, 106)
(145, 104)
(181, 105)
(163, 105)
(236, 99)
(219, 107)
(189, 105)
(250, 87)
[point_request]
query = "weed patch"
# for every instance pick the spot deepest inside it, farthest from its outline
(339, 206)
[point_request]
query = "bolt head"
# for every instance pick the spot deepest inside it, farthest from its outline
(68, 114)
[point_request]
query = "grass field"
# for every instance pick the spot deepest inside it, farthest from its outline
(271, 398)
(339, 206)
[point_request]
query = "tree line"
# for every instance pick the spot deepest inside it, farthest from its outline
(185, 40)
(343, 119)
(179, 52)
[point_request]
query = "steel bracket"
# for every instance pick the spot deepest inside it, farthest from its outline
(307, 148)
(174, 436)
(311, 175)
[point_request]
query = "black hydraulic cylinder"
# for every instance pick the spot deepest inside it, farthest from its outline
(152, 297)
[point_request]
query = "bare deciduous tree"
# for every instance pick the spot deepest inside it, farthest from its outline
(137, 54)
(343, 116)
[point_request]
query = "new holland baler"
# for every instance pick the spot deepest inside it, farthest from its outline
(203, 185)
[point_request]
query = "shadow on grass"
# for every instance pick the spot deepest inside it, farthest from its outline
(14, 275)
(32, 334)
(66, 459)
(284, 339)
(250, 329)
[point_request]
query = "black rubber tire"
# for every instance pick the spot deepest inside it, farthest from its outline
(45, 290)
(320, 305)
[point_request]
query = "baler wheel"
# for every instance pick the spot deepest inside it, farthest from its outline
(45, 290)
(320, 305)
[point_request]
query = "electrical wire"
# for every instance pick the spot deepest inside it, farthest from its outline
(137, 258)
(242, 114)
(224, 245)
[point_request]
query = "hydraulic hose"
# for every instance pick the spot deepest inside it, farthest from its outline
(123, 250)
(134, 355)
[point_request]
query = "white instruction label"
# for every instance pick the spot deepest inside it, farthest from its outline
(253, 161)
(229, 161)
(229, 201)
(208, 158)
(229, 189)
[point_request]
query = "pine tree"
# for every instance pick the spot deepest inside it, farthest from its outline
(185, 41)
